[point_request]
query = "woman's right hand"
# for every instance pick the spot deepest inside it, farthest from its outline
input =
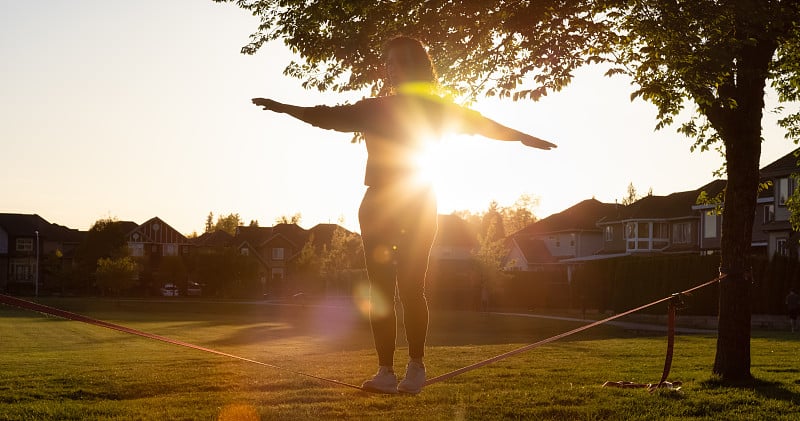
(266, 103)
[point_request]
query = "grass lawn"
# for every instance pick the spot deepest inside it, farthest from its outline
(64, 370)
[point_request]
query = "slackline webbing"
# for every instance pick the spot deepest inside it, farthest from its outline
(557, 337)
(29, 305)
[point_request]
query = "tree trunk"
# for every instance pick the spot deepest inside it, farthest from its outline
(740, 128)
(732, 361)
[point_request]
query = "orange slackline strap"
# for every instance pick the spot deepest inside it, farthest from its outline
(28, 305)
(672, 307)
(526, 348)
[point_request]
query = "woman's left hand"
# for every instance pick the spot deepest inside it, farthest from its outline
(535, 142)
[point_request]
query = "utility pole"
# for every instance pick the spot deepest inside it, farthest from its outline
(36, 276)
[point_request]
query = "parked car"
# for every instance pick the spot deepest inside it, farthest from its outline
(169, 290)
(194, 289)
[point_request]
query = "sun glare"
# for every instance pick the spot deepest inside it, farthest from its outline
(449, 167)
(428, 163)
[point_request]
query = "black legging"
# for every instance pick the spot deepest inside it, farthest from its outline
(398, 226)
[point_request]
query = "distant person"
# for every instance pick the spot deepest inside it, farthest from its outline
(793, 307)
(484, 297)
(398, 212)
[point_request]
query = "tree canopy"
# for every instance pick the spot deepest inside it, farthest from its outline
(716, 55)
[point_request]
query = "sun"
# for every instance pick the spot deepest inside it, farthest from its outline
(428, 162)
(446, 164)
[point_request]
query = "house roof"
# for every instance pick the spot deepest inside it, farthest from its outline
(582, 216)
(257, 236)
(323, 233)
(782, 166)
(218, 238)
(26, 225)
(455, 232)
(156, 230)
(534, 250)
(675, 205)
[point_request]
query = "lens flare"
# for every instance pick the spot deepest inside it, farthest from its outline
(368, 304)
(238, 412)
(382, 254)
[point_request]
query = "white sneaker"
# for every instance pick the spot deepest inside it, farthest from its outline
(385, 381)
(414, 379)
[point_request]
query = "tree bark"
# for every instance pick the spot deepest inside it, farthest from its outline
(740, 128)
(732, 362)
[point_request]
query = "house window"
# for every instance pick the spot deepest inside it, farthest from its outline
(609, 232)
(682, 233)
(24, 244)
(644, 229)
(136, 249)
(769, 213)
(630, 234)
(170, 249)
(661, 230)
(782, 190)
(277, 253)
(781, 247)
(660, 235)
(21, 270)
(710, 224)
(244, 251)
(277, 273)
(644, 235)
(630, 230)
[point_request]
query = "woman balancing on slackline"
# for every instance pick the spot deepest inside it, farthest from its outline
(398, 212)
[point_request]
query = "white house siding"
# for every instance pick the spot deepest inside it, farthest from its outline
(561, 245)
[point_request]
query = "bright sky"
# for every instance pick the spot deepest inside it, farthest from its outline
(140, 109)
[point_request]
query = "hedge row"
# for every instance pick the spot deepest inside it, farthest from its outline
(621, 284)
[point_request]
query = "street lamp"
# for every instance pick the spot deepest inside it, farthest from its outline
(36, 276)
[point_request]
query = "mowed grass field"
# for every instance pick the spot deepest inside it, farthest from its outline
(65, 370)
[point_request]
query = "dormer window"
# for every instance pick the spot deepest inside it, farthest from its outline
(608, 232)
(782, 190)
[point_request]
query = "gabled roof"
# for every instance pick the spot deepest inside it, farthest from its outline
(534, 250)
(455, 232)
(25, 225)
(323, 233)
(675, 205)
(785, 165)
(156, 231)
(582, 216)
(296, 234)
(258, 236)
(217, 238)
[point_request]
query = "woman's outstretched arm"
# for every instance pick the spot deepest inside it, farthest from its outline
(342, 118)
(278, 107)
(494, 130)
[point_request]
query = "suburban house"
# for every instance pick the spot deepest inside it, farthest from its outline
(154, 239)
(273, 247)
(277, 246)
(572, 233)
(31, 248)
(211, 242)
(772, 231)
(452, 274)
(658, 224)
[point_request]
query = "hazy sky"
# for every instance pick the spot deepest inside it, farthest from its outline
(140, 109)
